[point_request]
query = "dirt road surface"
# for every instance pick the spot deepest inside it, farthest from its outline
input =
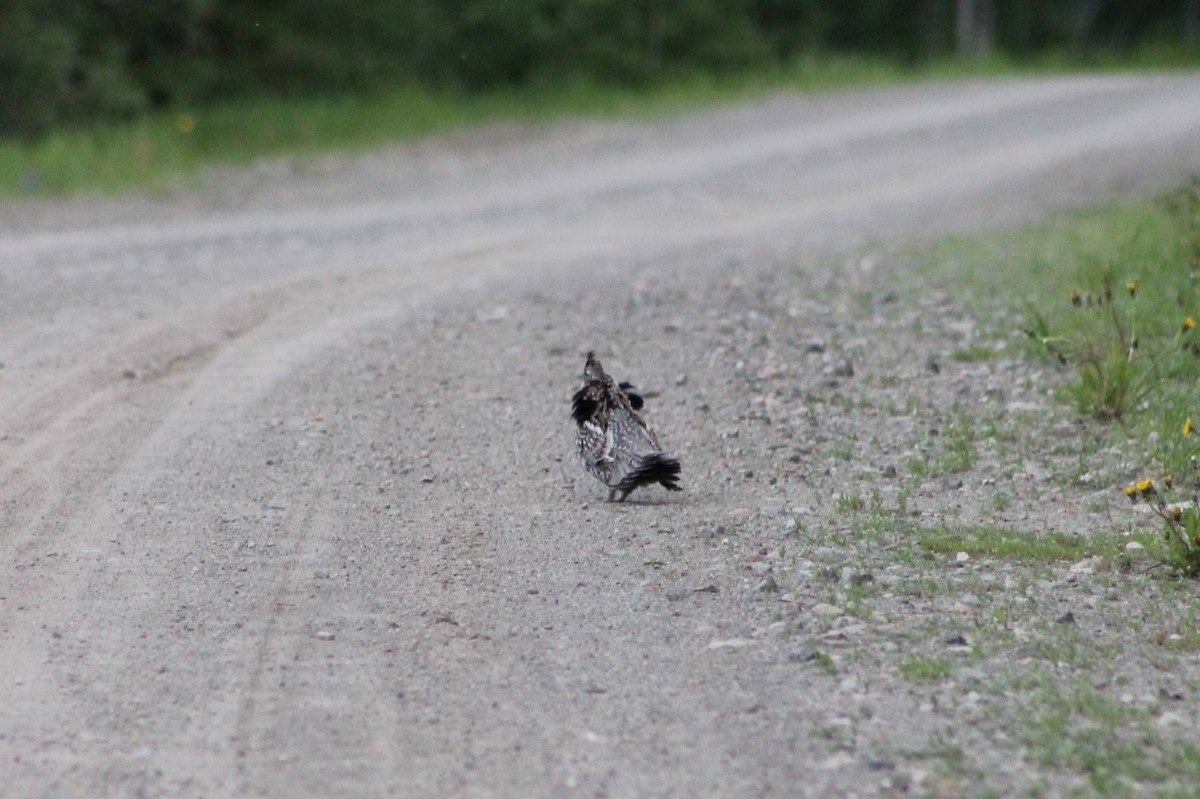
(288, 501)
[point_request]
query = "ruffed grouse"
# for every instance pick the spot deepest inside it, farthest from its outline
(614, 443)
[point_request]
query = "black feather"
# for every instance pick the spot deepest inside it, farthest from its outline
(651, 469)
(583, 405)
(635, 400)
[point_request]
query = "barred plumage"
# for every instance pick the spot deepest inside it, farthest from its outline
(614, 442)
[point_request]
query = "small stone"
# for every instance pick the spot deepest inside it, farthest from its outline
(953, 483)
(961, 557)
(805, 655)
(730, 643)
(970, 600)
(957, 640)
(1089, 565)
(325, 635)
(827, 610)
(889, 472)
(1066, 618)
(767, 585)
(680, 380)
(843, 368)
(676, 594)
(1170, 718)
(1133, 546)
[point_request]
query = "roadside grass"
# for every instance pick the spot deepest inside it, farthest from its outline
(1115, 745)
(1006, 543)
(169, 149)
(172, 149)
(926, 669)
(1111, 296)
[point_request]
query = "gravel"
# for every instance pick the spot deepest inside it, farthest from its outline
(363, 367)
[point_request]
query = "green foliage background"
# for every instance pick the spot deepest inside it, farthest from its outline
(79, 62)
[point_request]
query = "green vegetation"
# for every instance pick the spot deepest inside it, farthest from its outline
(67, 62)
(1111, 296)
(168, 148)
(926, 669)
(1003, 542)
(1115, 745)
(114, 96)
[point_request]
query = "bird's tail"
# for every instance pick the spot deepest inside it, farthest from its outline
(654, 468)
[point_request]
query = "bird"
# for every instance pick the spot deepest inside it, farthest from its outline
(616, 445)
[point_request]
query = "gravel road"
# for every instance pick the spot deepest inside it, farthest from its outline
(288, 501)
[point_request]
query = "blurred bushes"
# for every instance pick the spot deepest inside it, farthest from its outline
(76, 62)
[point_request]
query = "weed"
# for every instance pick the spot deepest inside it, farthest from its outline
(974, 354)
(1004, 542)
(1181, 519)
(926, 669)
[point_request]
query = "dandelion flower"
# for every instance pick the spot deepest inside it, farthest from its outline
(1189, 323)
(1076, 300)
(1187, 427)
(1131, 287)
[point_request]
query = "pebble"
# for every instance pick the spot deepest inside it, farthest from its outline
(805, 655)
(767, 585)
(730, 643)
(325, 635)
(825, 609)
(1170, 718)
(1066, 618)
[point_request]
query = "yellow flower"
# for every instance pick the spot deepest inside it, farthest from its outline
(1076, 300)
(1187, 427)
(1131, 492)
(1131, 287)
(1146, 488)
(1168, 481)
(1189, 323)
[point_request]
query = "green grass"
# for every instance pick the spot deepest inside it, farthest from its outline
(1114, 745)
(169, 150)
(165, 150)
(1107, 294)
(926, 669)
(1006, 543)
